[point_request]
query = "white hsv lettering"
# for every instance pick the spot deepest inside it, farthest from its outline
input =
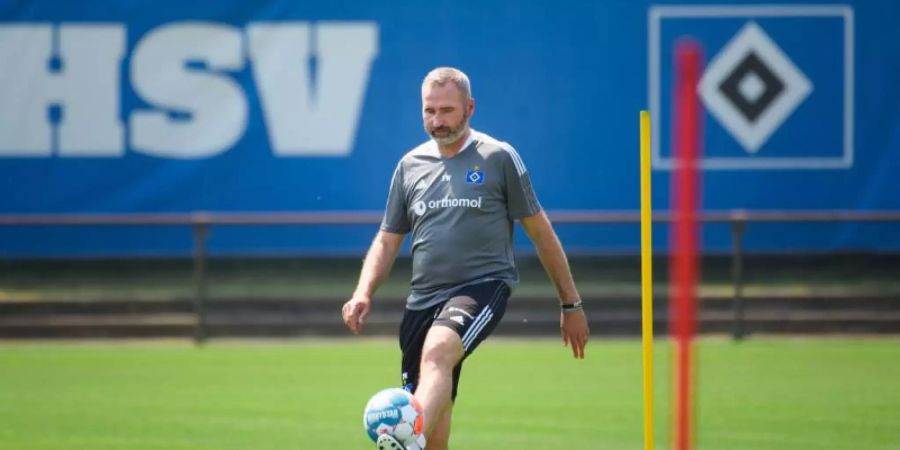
(201, 111)
(81, 80)
(312, 82)
(60, 88)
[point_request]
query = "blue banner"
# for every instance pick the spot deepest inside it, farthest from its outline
(266, 106)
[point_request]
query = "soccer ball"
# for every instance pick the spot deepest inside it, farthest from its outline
(396, 412)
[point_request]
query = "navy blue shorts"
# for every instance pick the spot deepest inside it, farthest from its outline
(473, 312)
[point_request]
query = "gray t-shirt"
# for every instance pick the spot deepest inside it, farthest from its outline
(461, 212)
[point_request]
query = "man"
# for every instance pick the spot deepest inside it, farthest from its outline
(458, 194)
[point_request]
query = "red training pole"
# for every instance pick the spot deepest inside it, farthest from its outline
(683, 267)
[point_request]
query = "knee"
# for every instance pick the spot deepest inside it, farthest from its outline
(438, 356)
(443, 354)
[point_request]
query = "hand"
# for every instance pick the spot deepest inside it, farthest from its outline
(575, 332)
(355, 312)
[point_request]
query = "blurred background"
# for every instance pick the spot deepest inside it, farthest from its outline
(241, 151)
(217, 169)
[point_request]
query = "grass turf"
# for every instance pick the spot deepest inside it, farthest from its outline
(822, 394)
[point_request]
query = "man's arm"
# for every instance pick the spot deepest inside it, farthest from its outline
(573, 322)
(376, 268)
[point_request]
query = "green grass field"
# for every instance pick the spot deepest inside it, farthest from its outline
(790, 394)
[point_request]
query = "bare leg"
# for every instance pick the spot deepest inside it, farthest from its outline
(442, 351)
(440, 434)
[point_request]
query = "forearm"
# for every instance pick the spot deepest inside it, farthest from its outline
(554, 260)
(377, 264)
(553, 257)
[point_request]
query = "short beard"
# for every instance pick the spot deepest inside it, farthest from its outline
(454, 135)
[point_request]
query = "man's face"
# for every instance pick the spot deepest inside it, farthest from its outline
(445, 113)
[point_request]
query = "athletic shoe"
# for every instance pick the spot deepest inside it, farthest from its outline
(388, 442)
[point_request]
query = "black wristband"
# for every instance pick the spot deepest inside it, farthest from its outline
(572, 307)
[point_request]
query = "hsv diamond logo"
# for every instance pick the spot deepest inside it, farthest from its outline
(778, 84)
(751, 87)
(474, 176)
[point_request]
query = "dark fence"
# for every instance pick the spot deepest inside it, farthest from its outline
(201, 223)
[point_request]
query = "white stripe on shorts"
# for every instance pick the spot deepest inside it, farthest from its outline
(480, 327)
(482, 313)
(478, 319)
(481, 320)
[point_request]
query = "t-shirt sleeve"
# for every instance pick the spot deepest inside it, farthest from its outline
(520, 197)
(395, 218)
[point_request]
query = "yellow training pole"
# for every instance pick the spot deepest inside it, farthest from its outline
(647, 280)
